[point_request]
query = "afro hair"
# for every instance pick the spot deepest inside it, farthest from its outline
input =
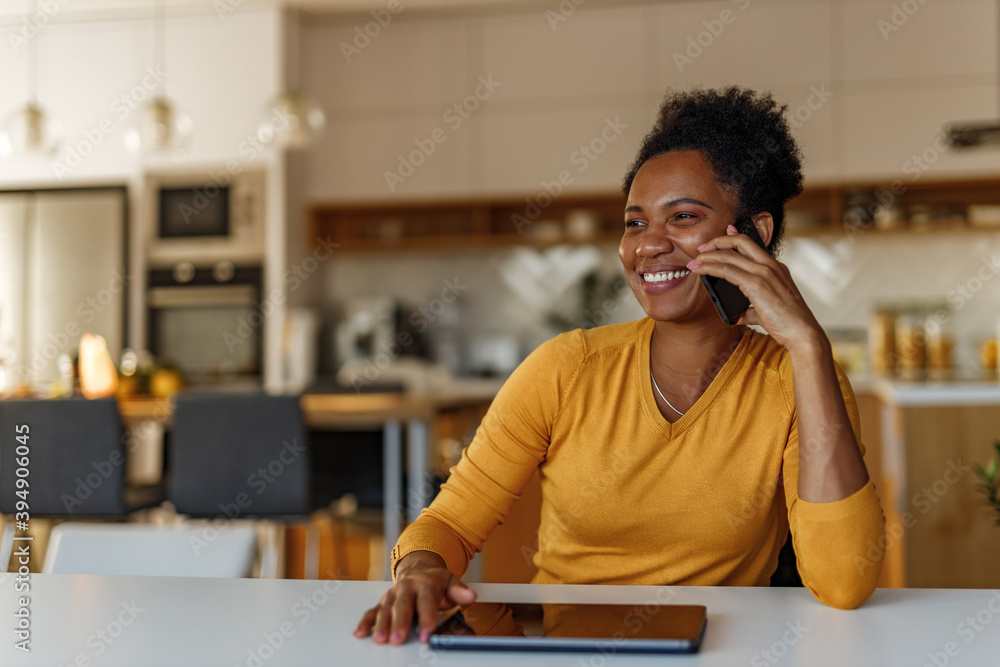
(744, 137)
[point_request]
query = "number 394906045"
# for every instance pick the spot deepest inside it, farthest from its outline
(22, 462)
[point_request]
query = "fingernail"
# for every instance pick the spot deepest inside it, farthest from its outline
(425, 635)
(732, 228)
(358, 632)
(379, 636)
(702, 246)
(396, 637)
(693, 264)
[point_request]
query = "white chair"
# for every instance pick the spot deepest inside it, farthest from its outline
(186, 550)
(6, 545)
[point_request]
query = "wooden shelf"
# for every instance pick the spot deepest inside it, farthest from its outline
(540, 220)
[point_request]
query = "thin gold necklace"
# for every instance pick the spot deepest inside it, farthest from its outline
(657, 387)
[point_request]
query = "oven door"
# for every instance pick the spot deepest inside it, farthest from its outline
(211, 332)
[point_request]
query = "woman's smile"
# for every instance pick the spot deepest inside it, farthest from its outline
(675, 205)
(659, 279)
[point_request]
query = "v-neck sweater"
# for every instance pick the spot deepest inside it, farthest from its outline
(630, 498)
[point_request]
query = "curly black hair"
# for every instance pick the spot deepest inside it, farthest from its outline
(745, 138)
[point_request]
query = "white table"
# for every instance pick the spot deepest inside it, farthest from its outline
(144, 622)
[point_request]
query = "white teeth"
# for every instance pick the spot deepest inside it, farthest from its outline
(664, 276)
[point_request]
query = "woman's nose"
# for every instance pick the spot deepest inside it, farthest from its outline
(654, 241)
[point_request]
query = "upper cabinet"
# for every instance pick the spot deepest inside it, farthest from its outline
(851, 210)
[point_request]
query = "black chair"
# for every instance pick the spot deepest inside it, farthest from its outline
(239, 456)
(75, 457)
(786, 574)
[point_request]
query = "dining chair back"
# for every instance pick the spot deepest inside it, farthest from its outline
(239, 456)
(69, 451)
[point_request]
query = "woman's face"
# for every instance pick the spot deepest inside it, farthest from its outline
(674, 205)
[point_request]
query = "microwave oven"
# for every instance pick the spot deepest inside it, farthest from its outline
(205, 218)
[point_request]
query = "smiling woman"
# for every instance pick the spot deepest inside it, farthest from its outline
(676, 449)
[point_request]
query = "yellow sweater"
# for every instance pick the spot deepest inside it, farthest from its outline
(629, 498)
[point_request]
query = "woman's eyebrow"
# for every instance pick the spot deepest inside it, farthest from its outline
(635, 208)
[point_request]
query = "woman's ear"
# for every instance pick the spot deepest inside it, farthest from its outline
(765, 226)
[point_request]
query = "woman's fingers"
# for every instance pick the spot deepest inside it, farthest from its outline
(365, 624)
(422, 587)
(402, 615)
(383, 619)
(741, 243)
(429, 601)
(459, 593)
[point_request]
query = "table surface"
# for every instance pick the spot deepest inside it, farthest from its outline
(348, 410)
(148, 621)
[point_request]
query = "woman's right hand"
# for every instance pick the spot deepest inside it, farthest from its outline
(423, 586)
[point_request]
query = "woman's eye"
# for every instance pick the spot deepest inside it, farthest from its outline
(632, 224)
(684, 220)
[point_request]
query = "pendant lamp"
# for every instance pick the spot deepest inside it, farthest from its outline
(292, 119)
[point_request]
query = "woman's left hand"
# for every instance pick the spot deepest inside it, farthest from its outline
(776, 303)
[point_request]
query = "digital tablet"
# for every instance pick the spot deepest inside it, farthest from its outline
(604, 628)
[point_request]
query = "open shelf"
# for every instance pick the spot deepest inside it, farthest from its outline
(854, 209)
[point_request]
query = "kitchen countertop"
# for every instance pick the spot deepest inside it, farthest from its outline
(959, 391)
(349, 410)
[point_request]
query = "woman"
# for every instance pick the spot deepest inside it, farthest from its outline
(675, 449)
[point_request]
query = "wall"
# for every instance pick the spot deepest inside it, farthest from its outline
(96, 71)
(881, 86)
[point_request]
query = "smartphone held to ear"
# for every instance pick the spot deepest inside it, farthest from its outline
(727, 297)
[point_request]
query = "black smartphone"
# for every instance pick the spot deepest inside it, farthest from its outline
(727, 297)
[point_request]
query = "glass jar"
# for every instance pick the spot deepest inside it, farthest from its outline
(911, 347)
(939, 341)
(882, 341)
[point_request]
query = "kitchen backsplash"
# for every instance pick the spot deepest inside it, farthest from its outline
(521, 295)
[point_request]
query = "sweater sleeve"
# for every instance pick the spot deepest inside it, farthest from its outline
(509, 445)
(833, 541)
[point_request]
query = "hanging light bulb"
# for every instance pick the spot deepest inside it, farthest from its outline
(292, 119)
(30, 131)
(160, 127)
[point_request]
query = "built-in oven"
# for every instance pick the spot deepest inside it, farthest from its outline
(206, 320)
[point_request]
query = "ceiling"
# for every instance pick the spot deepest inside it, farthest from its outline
(87, 10)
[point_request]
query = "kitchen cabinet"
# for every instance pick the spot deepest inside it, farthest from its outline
(939, 534)
(851, 209)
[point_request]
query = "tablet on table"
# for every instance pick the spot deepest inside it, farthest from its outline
(607, 628)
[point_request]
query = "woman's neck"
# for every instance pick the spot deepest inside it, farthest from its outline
(691, 356)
